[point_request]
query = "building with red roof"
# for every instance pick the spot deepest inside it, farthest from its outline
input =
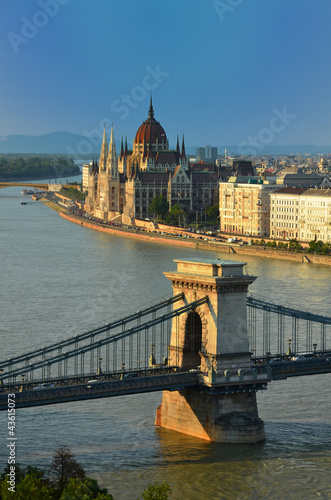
(126, 184)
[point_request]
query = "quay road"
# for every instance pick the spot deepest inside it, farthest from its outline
(175, 233)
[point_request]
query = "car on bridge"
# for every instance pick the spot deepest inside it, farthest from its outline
(305, 356)
(277, 361)
(45, 385)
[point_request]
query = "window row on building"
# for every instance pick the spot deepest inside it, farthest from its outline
(286, 213)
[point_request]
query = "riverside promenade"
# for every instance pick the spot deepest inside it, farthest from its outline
(201, 244)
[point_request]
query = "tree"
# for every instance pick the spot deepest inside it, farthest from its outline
(319, 247)
(157, 492)
(85, 489)
(31, 486)
(175, 215)
(294, 244)
(30, 483)
(20, 472)
(212, 213)
(282, 245)
(159, 206)
(63, 468)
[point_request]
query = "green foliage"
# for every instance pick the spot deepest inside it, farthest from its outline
(212, 212)
(157, 492)
(319, 247)
(272, 244)
(294, 245)
(159, 206)
(176, 215)
(36, 167)
(73, 193)
(85, 489)
(282, 245)
(30, 487)
(20, 472)
(68, 482)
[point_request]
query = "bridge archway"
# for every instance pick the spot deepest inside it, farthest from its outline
(192, 341)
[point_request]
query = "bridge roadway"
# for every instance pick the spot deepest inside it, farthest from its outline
(120, 384)
(123, 385)
(283, 367)
(30, 184)
(37, 185)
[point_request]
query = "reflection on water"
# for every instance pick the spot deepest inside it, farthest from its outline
(197, 470)
(59, 279)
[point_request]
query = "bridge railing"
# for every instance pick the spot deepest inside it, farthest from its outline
(122, 323)
(135, 348)
(141, 340)
(280, 330)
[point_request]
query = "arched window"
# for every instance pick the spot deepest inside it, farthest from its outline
(192, 342)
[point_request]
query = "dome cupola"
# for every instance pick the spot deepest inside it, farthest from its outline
(151, 133)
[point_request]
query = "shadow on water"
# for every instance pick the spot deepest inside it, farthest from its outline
(292, 464)
(292, 439)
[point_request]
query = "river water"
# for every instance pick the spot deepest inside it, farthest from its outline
(59, 279)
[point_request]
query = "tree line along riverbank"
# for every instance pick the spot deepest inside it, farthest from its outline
(16, 168)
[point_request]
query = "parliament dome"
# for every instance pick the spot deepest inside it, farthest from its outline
(150, 131)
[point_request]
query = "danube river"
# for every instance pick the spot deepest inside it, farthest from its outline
(59, 279)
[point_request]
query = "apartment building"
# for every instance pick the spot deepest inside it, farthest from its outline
(284, 213)
(315, 215)
(301, 213)
(245, 206)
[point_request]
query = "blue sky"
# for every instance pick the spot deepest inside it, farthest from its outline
(221, 71)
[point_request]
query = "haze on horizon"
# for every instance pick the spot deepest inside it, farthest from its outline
(221, 71)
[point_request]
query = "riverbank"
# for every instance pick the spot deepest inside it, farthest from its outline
(232, 249)
(54, 206)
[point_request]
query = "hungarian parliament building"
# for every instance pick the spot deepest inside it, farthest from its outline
(124, 185)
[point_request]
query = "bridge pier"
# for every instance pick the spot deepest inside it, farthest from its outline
(223, 407)
(227, 418)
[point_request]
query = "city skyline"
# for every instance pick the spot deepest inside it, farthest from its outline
(221, 72)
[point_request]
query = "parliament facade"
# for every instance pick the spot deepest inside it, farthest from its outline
(124, 185)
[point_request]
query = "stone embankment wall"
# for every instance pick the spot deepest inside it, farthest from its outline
(130, 234)
(204, 245)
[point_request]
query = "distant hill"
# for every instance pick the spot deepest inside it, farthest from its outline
(81, 147)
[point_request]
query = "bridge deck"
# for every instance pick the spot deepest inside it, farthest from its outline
(134, 383)
(94, 390)
(131, 366)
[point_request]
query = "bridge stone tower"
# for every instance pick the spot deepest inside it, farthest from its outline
(213, 336)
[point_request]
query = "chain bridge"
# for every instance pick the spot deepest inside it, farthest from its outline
(208, 342)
